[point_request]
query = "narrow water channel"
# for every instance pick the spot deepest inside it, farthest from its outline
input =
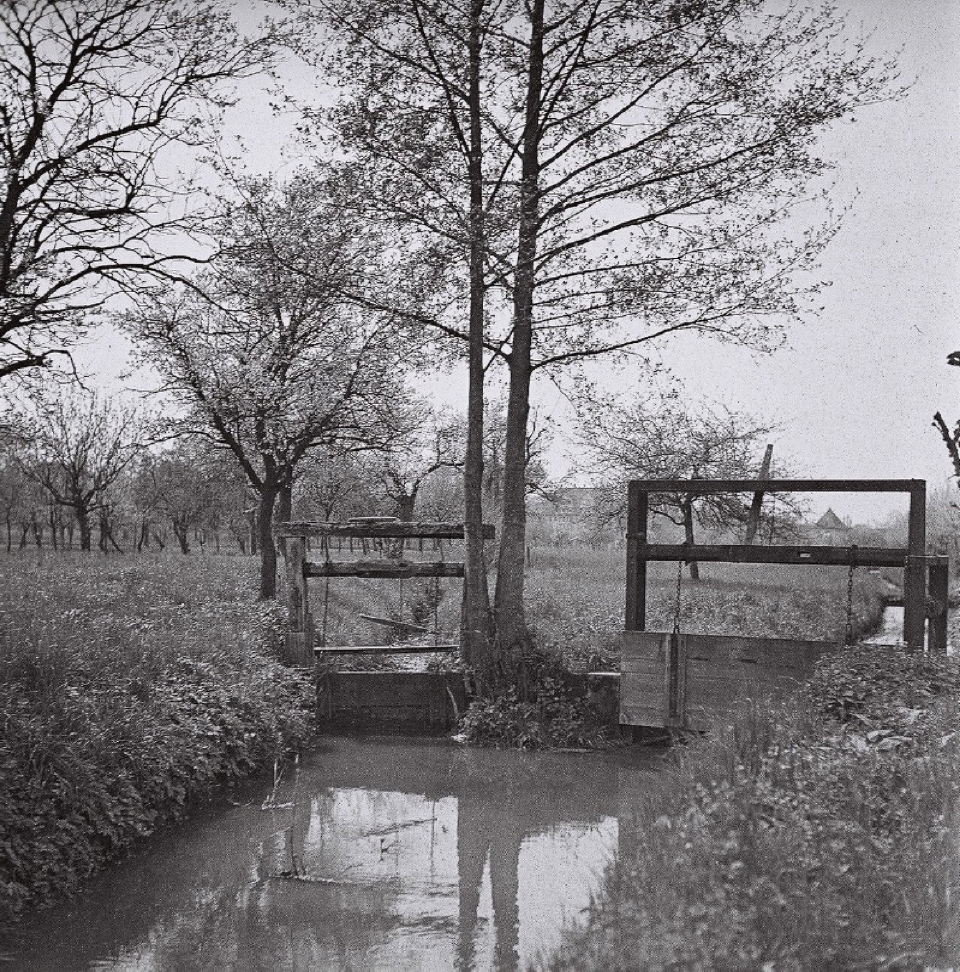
(377, 854)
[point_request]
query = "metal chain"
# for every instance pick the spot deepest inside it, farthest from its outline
(848, 638)
(676, 610)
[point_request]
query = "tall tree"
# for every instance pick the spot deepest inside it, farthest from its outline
(92, 94)
(76, 445)
(265, 353)
(642, 163)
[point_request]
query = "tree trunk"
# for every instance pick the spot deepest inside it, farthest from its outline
(264, 534)
(476, 632)
(508, 602)
(83, 526)
(180, 532)
(686, 505)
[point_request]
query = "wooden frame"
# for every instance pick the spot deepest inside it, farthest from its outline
(300, 648)
(686, 661)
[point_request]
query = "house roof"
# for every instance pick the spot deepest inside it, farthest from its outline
(830, 521)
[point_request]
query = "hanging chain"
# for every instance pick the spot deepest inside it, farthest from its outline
(848, 638)
(676, 609)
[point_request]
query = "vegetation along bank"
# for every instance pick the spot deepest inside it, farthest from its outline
(812, 834)
(130, 689)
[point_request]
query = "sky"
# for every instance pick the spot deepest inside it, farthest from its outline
(854, 390)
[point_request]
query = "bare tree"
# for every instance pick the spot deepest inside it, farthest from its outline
(92, 94)
(75, 446)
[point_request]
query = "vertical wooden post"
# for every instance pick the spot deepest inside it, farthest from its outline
(753, 520)
(938, 590)
(300, 630)
(636, 606)
(914, 574)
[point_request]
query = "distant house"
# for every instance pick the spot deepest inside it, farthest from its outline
(570, 514)
(830, 530)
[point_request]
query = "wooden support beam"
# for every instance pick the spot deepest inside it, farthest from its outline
(394, 623)
(754, 519)
(915, 573)
(384, 568)
(636, 593)
(299, 639)
(749, 554)
(705, 487)
(938, 581)
(400, 649)
(380, 528)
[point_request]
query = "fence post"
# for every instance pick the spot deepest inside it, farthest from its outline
(915, 569)
(299, 642)
(636, 606)
(938, 591)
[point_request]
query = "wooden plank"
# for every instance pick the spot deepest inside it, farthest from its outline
(704, 487)
(379, 528)
(384, 568)
(747, 554)
(399, 649)
(394, 623)
(915, 574)
(753, 520)
(938, 595)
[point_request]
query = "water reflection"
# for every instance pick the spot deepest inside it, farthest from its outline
(382, 855)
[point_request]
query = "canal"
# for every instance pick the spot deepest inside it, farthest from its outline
(375, 854)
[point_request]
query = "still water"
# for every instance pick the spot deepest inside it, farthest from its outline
(377, 854)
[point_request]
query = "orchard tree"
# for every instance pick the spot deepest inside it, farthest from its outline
(608, 173)
(76, 445)
(951, 437)
(265, 354)
(183, 485)
(92, 95)
(661, 436)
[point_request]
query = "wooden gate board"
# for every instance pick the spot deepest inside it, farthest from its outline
(695, 680)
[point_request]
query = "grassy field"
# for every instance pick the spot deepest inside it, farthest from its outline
(129, 689)
(575, 603)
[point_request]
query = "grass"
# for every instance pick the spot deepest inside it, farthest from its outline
(817, 833)
(130, 688)
(575, 603)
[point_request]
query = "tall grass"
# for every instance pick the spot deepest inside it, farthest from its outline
(816, 833)
(129, 688)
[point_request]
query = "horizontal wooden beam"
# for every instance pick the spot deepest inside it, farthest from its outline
(379, 528)
(394, 623)
(744, 554)
(702, 487)
(382, 649)
(382, 568)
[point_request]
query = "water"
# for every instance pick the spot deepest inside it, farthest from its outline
(379, 855)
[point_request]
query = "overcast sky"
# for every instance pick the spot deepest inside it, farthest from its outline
(857, 385)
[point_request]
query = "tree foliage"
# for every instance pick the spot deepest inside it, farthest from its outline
(92, 94)
(266, 354)
(641, 167)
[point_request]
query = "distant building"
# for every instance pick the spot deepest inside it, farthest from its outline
(571, 514)
(830, 530)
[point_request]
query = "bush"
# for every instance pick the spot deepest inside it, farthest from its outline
(121, 711)
(541, 710)
(812, 833)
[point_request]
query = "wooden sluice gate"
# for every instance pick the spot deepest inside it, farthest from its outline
(684, 680)
(405, 701)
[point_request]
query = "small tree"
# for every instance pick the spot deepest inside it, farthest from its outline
(76, 445)
(266, 355)
(662, 437)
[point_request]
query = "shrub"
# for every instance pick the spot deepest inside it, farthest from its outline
(128, 692)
